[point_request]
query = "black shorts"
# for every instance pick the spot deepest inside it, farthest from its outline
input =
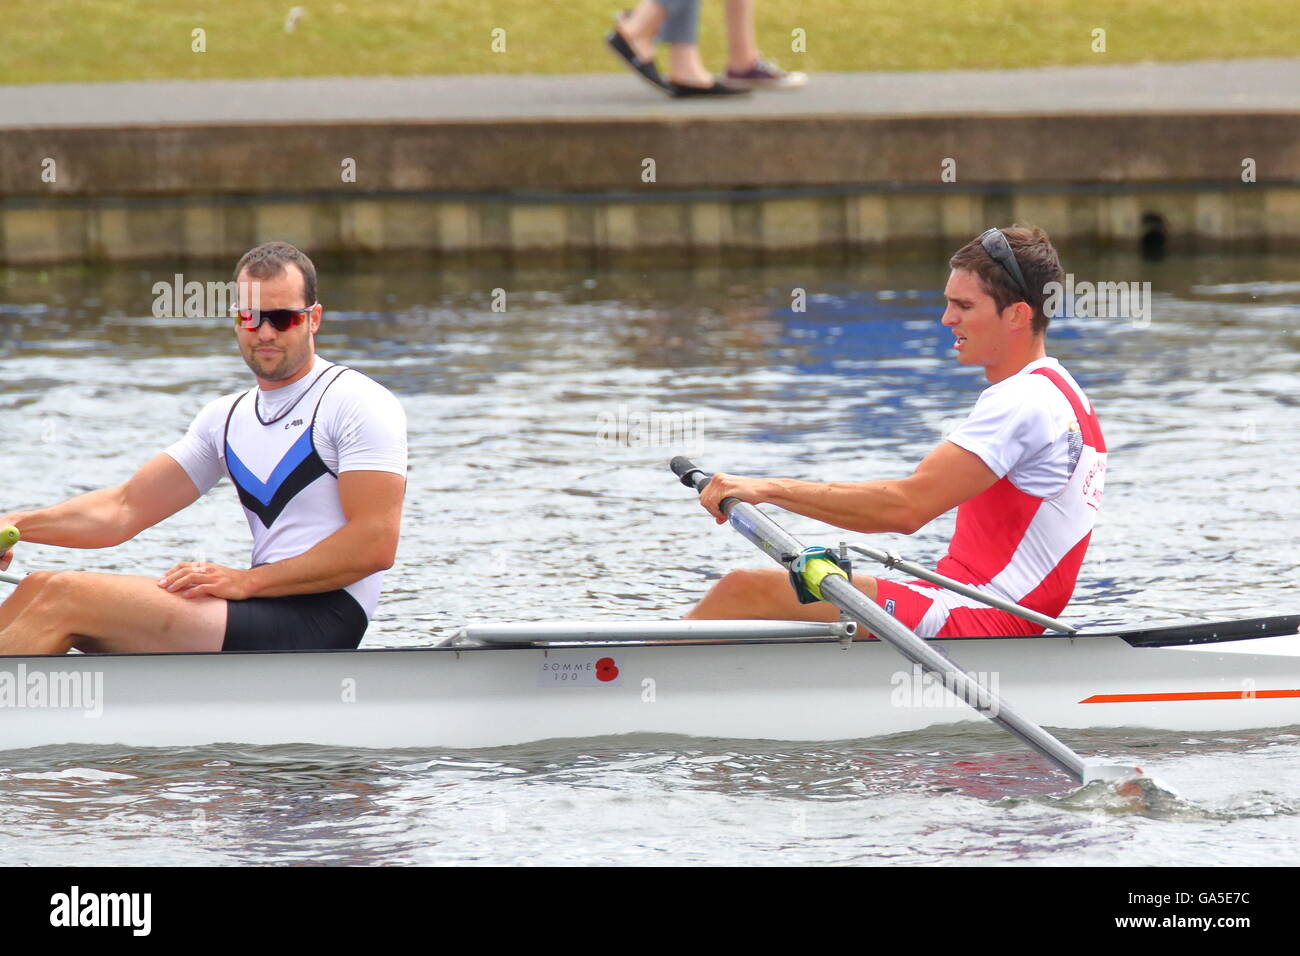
(298, 622)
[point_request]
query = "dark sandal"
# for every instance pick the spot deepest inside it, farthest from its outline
(717, 89)
(645, 69)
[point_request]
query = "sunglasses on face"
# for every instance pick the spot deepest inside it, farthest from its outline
(282, 320)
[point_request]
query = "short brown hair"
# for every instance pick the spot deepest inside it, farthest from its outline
(271, 258)
(1038, 262)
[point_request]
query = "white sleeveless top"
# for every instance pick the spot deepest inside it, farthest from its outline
(284, 450)
(1024, 538)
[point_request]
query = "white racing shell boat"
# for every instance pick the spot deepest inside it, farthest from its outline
(496, 684)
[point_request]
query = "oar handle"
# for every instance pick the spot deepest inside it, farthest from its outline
(697, 479)
(691, 476)
(9, 537)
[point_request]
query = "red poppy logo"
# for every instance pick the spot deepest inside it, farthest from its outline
(606, 669)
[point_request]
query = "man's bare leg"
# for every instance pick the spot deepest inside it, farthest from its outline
(21, 596)
(766, 594)
(108, 612)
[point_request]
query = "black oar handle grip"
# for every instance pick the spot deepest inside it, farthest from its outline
(691, 476)
(697, 479)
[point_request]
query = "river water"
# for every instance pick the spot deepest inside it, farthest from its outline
(543, 406)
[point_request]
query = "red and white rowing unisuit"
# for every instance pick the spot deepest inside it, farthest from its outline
(1024, 538)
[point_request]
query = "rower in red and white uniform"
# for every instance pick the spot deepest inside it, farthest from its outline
(1025, 471)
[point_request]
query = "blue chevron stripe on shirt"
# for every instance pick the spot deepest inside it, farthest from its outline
(264, 491)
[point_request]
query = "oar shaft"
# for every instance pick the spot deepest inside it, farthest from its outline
(891, 560)
(844, 595)
(781, 546)
(7, 578)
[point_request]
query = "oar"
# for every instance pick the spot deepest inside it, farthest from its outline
(827, 580)
(8, 538)
(892, 560)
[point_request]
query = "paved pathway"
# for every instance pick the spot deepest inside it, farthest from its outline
(1235, 85)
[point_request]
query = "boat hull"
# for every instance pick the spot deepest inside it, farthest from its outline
(485, 697)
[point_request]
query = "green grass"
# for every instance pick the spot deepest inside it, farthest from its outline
(94, 40)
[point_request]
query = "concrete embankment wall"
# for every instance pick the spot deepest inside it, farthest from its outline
(750, 187)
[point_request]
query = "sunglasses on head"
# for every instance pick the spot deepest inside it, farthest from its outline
(1000, 251)
(282, 320)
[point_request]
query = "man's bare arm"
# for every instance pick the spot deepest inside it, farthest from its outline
(944, 479)
(110, 516)
(372, 505)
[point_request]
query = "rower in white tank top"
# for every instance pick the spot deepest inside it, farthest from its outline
(284, 450)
